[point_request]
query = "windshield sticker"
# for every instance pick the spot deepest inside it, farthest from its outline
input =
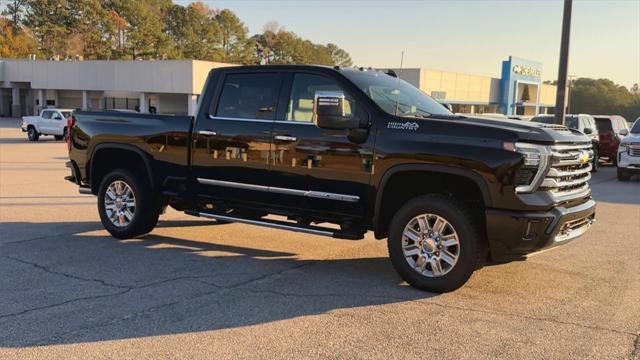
(413, 126)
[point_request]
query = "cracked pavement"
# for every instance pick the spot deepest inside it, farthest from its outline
(198, 289)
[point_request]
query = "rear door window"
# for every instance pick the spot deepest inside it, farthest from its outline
(249, 96)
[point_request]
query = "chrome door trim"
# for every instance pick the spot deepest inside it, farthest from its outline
(232, 184)
(279, 190)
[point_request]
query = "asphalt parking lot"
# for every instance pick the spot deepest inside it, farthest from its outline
(197, 289)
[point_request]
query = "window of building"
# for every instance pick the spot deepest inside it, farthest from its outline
(303, 90)
(249, 96)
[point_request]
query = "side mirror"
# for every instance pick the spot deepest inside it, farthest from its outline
(588, 131)
(623, 132)
(331, 110)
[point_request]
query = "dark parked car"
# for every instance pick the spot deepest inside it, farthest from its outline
(582, 122)
(360, 149)
(609, 127)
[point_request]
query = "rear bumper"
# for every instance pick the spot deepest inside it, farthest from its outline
(512, 235)
(76, 177)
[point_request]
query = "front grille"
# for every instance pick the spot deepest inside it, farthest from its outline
(570, 170)
(634, 149)
(575, 228)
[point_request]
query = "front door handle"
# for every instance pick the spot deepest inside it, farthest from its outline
(207, 133)
(285, 138)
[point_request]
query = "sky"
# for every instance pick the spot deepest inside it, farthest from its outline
(469, 36)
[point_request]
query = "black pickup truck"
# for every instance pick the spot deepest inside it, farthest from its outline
(339, 152)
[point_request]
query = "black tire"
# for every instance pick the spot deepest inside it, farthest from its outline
(147, 206)
(614, 160)
(596, 161)
(472, 248)
(623, 175)
(32, 134)
(58, 137)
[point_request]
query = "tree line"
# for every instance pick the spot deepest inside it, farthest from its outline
(150, 29)
(603, 96)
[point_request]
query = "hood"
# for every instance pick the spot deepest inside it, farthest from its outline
(631, 138)
(522, 130)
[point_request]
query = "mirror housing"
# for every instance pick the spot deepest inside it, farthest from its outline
(588, 131)
(330, 111)
(623, 132)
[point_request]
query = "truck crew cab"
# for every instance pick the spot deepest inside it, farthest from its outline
(339, 152)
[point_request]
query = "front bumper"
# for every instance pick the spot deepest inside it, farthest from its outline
(513, 234)
(630, 164)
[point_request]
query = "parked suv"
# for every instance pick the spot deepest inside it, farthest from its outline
(293, 147)
(609, 127)
(629, 152)
(582, 122)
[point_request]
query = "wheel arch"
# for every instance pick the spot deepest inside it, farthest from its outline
(140, 161)
(381, 218)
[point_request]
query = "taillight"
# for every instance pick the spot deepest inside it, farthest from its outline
(70, 122)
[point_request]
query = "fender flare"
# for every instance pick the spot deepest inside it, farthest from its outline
(437, 168)
(127, 147)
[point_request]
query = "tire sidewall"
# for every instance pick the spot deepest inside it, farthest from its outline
(32, 134)
(142, 198)
(467, 260)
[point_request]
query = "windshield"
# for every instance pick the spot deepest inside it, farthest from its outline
(571, 122)
(395, 96)
(66, 114)
(635, 129)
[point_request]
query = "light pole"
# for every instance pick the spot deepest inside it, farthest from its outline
(561, 95)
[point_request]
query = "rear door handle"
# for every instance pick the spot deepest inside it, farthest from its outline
(285, 138)
(207, 132)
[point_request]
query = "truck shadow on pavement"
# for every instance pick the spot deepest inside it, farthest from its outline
(88, 286)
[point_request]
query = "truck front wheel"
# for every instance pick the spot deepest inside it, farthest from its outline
(435, 243)
(126, 204)
(32, 134)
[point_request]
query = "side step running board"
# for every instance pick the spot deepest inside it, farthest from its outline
(316, 230)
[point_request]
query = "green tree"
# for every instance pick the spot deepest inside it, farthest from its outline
(276, 45)
(236, 47)
(339, 56)
(193, 32)
(140, 27)
(91, 29)
(49, 21)
(525, 93)
(14, 11)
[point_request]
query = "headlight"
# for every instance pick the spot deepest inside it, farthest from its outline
(623, 147)
(536, 159)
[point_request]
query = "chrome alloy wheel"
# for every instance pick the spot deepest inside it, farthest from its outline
(430, 245)
(120, 203)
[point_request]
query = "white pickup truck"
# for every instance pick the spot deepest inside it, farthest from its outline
(50, 122)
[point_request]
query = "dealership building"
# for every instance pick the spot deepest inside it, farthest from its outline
(173, 86)
(519, 90)
(167, 87)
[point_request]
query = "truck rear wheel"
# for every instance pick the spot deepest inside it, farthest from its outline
(126, 204)
(32, 134)
(435, 243)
